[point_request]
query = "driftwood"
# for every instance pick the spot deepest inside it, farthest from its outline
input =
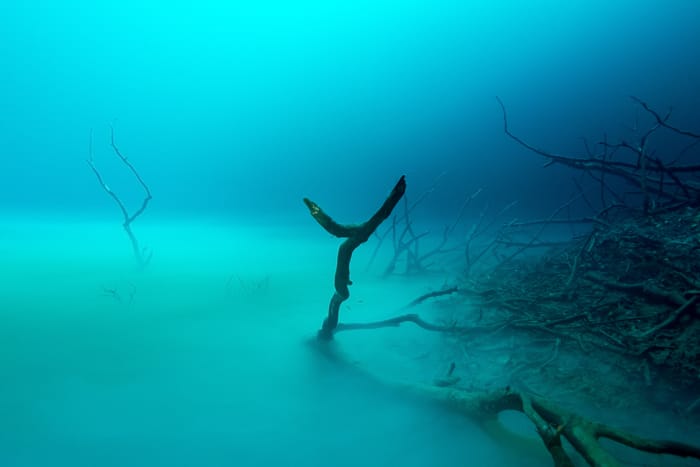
(355, 235)
(552, 422)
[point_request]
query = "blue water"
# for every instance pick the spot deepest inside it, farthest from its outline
(232, 112)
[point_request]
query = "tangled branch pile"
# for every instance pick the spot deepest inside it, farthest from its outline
(632, 284)
(629, 287)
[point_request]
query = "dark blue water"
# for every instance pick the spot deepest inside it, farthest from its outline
(241, 109)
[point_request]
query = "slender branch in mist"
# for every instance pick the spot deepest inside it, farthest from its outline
(142, 256)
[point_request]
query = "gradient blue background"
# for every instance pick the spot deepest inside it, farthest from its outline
(235, 111)
(239, 109)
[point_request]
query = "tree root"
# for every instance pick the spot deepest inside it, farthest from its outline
(142, 255)
(551, 421)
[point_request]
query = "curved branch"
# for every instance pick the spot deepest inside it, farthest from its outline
(647, 173)
(395, 322)
(662, 121)
(128, 219)
(551, 421)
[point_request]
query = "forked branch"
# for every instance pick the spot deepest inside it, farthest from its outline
(142, 256)
(355, 235)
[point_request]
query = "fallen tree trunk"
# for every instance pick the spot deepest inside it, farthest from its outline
(552, 422)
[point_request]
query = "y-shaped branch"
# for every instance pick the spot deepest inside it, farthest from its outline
(355, 235)
(128, 219)
(552, 422)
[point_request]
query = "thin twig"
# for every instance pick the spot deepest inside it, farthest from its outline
(128, 219)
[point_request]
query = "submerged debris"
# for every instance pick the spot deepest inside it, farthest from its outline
(630, 287)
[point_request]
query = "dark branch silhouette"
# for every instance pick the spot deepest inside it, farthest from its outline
(552, 422)
(142, 256)
(663, 186)
(355, 235)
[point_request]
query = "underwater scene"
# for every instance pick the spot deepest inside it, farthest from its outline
(369, 233)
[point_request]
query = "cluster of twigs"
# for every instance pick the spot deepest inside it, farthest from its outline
(419, 251)
(354, 235)
(631, 285)
(553, 423)
(587, 295)
(631, 288)
(630, 170)
(635, 175)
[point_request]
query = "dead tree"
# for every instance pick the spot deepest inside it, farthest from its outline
(355, 235)
(400, 243)
(142, 255)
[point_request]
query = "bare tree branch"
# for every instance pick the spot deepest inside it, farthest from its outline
(355, 236)
(142, 257)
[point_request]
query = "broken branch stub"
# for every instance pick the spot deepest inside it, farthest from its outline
(355, 235)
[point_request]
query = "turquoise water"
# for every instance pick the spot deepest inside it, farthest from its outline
(232, 112)
(186, 367)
